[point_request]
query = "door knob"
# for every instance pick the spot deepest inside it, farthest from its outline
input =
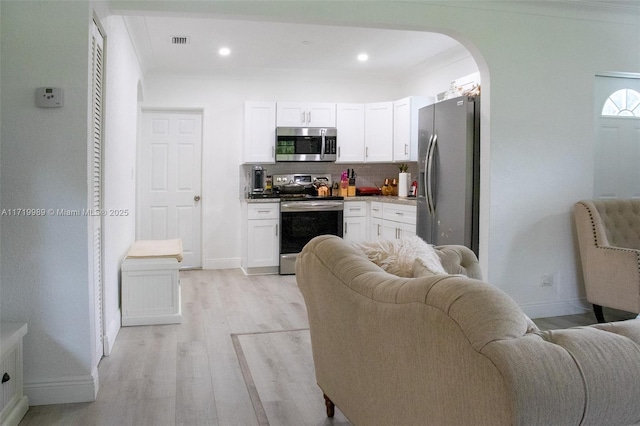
(196, 198)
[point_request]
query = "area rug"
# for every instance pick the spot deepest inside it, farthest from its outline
(278, 371)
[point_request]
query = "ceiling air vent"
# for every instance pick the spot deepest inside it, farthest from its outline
(179, 40)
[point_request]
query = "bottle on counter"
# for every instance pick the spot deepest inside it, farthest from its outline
(413, 190)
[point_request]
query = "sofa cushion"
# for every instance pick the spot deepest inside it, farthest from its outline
(399, 256)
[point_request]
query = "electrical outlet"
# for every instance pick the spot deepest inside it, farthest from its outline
(546, 281)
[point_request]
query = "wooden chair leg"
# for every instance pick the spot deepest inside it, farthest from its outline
(597, 310)
(331, 407)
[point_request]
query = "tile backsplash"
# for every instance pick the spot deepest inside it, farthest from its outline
(370, 174)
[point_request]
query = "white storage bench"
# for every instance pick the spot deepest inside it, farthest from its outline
(150, 284)
(13, 402)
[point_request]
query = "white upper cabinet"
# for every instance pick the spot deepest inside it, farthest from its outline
(405, 127)
(378, 132)
(299, 114)
(259, 132)
(367, 133)
(350, 127)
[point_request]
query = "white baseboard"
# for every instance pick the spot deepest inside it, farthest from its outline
(555, 309)
(63, 390)
(16, 414)
(231, 263)
(266, 270)
(112, 333)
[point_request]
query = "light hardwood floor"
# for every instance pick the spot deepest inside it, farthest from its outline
(242, 356)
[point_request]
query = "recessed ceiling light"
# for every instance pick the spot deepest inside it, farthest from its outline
(363, 57)
(224, 51)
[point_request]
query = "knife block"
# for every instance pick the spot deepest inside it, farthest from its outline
(351, 189)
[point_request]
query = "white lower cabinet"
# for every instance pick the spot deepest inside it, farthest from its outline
(398, 220)
(375, 214)
(390, 220)
(395, 230)
(355, 221)
(13, 403)
(263, 240)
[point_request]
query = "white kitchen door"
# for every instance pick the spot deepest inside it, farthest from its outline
(169, 180)
(617, 148)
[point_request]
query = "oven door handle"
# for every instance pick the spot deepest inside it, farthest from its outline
(310, 206)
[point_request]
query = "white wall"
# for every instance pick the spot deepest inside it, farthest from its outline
(123, 76)
(222, 99)
(45, 259)
(45, 278)
(436, 75)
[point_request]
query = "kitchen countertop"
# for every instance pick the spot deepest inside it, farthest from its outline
(409, 201)
(262, 200)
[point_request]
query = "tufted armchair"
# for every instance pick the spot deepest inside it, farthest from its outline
(609, 241)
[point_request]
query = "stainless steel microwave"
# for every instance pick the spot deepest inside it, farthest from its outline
(306, 144)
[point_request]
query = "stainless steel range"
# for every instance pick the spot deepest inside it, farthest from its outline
(304, 214)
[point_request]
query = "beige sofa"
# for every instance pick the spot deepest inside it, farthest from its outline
(450, 350)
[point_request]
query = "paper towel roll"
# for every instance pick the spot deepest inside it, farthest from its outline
(403, 184)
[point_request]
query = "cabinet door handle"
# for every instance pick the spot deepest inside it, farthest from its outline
(273, 152)
(338, 152)
(309, 117)
(366, 152)
(378, 230)
(6, 378)
(345, 227)
(276, 229)
(302, 118)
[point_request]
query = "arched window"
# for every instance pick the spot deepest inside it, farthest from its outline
(622, 103)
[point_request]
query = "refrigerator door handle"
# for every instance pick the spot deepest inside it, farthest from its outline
(426, 172)
(429, 175)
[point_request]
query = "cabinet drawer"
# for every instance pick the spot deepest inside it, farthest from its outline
(399, 213)
(263, 211)
(355, 208)
(376, 209)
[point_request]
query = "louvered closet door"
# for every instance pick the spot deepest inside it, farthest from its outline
(97, 68)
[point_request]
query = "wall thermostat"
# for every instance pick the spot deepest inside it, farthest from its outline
(49, 97)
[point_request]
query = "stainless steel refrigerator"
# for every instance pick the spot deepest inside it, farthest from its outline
(449, 172)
